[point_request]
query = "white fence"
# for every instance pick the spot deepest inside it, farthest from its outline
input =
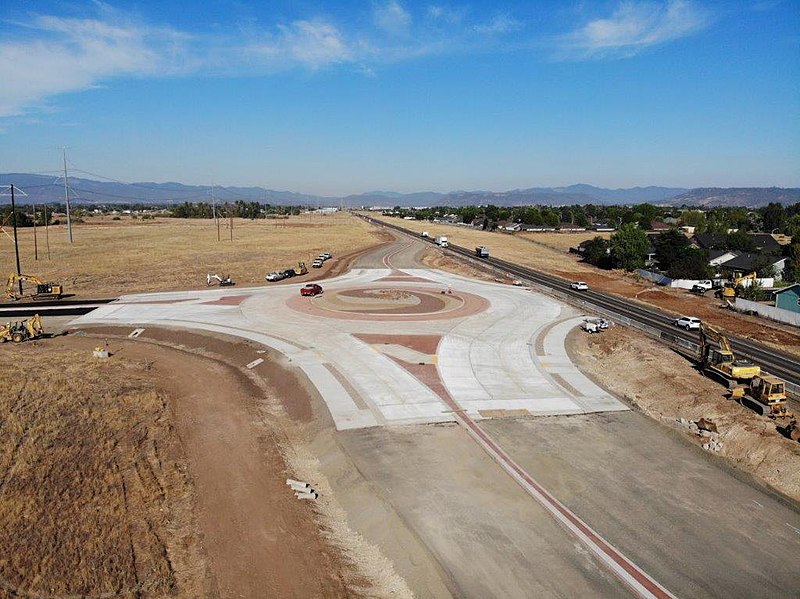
(689, 283)
(771, 312)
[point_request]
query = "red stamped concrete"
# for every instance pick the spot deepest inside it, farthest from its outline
(228, 300)
(425, 344)
(471, 305)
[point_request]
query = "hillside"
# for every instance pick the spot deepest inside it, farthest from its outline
(44, 188)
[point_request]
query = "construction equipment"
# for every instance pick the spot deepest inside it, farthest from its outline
(595, 325)
(43, 290)
(791, 430)
(22, 330)
(223, 282)
(766, 394)
(729, 291)
(482, 251)
(301, 269)
(720, 362)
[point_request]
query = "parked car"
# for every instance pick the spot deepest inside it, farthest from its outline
(698, 289)
(288, 273)
(276, 276)
(311, 289)
(704, 284)
(316, 263)
(579, 286)
(690, 323)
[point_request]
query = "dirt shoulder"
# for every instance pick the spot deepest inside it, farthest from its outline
(666, 387)
(238, 427)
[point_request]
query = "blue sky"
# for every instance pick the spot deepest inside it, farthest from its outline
(346, 97)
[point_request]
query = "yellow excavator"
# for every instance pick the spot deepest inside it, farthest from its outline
(729, 292)
(301, 269)
(43, 290)
(22, 330)
(719, 362)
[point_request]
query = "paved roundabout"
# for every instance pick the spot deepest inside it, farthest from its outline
(385, 346)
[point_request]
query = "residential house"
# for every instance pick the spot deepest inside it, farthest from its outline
(788, 298)
(718, 257)
(747, 263)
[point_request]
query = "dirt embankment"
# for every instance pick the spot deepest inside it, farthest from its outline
(666, 386)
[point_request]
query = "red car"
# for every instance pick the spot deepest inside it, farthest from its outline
(311, 289)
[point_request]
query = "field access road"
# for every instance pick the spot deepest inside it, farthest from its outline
(608, 504)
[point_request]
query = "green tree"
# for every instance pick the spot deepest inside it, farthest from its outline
(791, 271)
(669, 247)
(595, 252)
(694, 218)
(629, 247)
(773, 217)
(740, 241)
(690, 264)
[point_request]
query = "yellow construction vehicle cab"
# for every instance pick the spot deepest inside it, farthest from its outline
(301, 269)
(720, 362)
(22, 330)
(768, 391)
(729, 291)
(43, 290)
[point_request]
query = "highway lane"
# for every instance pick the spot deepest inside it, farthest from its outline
(775, 362)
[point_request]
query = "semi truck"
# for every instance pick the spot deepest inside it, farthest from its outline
(441, 241)
(482, 251)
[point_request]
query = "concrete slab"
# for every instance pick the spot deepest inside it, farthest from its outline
(485, 361)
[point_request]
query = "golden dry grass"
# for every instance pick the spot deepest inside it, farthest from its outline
(113, 257)
(514, 248)
(90, 489)
(561, 241)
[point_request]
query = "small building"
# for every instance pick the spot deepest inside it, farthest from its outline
(717, 257)
(747, 263)
(788, 298)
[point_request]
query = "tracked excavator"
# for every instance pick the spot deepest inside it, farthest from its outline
(43, 290)
(225, 281)
(22, 330)
(719, 362)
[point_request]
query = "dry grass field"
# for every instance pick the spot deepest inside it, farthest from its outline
(111, 257)
(93, 495)
(561, 241)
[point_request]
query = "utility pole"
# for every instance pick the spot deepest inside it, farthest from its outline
(16, 245)
(46, 231)
(35, 243)
(66, 195)
(214, 210)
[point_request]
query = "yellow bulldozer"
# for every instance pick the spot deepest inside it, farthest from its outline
(43, 290)
(22, 330)
(719, 362)
(766, 394)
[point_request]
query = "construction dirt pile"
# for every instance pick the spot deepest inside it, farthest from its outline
(666, 386)
(94, 496)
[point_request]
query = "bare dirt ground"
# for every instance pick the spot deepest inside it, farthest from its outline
(238, 428)
(549, 252)
(94, 496)
(666, 387)
(110, 257)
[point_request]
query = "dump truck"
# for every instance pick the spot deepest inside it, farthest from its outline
(482, 251)
(719, 362)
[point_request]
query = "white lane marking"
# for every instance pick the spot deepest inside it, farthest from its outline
(255, 363)
(135, 333)
(797, 530)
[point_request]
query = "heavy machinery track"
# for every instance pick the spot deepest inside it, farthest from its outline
(773, 361)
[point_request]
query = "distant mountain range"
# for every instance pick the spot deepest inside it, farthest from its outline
(40, 188)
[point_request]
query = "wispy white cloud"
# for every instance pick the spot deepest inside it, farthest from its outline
(392, 17)
(54, 55)
(633, 27)
(499, 24)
